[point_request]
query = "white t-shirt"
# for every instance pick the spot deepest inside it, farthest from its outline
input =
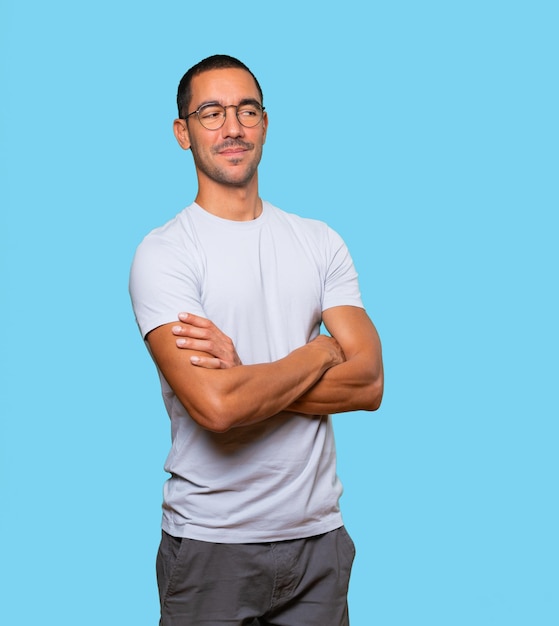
(265, 284)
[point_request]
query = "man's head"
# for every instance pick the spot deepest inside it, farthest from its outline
(222, 121)
(215, 62)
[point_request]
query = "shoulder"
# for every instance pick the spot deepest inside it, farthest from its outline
(164, 241)
(166, 253)
(304, 225)
(174, 229)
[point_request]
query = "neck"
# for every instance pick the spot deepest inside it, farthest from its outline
(240, 204)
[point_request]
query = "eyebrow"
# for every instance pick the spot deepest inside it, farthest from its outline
(243, 101)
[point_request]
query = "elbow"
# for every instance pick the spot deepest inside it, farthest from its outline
(374, 394)
(376, 401)
(214, 425)
(212, 419)
(216, 415)
(216, 407)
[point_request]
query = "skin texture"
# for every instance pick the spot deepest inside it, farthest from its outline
(331, 374)
(221, 399)
(356, 383)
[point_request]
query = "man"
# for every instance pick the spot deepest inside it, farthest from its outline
(229, 297)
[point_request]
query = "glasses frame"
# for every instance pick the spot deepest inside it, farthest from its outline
(229, 106)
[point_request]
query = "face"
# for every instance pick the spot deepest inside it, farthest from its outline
(229, 155)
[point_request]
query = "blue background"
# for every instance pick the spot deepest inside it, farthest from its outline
(426, 133)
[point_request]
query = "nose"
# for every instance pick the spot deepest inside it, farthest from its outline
(232, 127)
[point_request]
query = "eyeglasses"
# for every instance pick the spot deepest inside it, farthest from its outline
(212, 116)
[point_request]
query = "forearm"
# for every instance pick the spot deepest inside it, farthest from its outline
(356, 384)
(248, 394)
(238, 396)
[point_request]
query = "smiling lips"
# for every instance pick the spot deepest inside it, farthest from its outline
(232, 147)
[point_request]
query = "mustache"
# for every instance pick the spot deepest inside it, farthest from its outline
(232, 143)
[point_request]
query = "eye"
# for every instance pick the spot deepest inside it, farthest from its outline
(211, 112)
(248, 111)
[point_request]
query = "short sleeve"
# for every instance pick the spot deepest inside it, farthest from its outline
(164, 280)
(341, 284)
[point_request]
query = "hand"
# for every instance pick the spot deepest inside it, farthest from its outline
(333, 348)
(200, 334)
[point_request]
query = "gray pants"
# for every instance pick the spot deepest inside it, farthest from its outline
(303, 582)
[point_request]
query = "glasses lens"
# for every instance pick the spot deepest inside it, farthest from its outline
(211, 116)
(249, 114)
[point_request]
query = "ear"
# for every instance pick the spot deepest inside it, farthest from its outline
(180, 128)
(264, 126)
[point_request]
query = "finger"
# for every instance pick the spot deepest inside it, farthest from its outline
(200, 345)
(195, 320)
(188, 330)
(209, 363)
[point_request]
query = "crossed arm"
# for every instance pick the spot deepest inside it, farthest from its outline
(328, 375)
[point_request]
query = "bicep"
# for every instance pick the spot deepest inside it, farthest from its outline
(358, 382)
(189, 383)
(354, 331)
(363, 372)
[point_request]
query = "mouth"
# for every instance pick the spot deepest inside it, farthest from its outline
(233, 148)
(232, 151)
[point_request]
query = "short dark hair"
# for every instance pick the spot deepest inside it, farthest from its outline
(215, 62)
